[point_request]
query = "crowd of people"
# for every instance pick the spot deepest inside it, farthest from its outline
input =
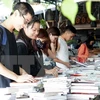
(35, 52)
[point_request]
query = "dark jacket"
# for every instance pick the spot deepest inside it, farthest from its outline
(36, 64)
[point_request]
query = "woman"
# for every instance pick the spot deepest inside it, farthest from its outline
(53, 33)
(43, 44)
(29, 32)
(24, 44)
(83, 51)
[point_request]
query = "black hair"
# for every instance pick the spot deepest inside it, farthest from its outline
(91, 38)
(24, 8)
(34, 20)
(69, 28)
(23, 36)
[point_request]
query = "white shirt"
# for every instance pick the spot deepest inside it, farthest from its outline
(62, 53)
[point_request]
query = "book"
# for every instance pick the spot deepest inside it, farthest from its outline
(83, 84)
(14, 84)
(80, 96)
(85, 89)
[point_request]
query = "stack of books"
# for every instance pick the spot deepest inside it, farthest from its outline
(80, 97)
(83, 91)
(47, 96)
(59, 84)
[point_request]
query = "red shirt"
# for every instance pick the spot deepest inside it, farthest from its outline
(83, 53)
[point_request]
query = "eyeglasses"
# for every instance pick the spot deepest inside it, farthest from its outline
(25, 21)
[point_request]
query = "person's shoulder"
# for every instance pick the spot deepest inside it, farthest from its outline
(60, 39)
(20, 44)
(22, 49)
(83, 45)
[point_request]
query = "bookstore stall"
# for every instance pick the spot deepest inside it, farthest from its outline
(81, 82)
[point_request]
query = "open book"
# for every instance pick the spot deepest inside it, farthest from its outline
(85, 65)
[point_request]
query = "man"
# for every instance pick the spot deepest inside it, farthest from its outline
(22, 14)
(62, 49)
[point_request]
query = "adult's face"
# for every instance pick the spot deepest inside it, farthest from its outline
(32, 31)
(69, 35)
(53, 38)
(21, 20)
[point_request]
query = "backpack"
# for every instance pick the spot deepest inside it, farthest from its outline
(21, 41)
(3, 39)
(36, 69)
